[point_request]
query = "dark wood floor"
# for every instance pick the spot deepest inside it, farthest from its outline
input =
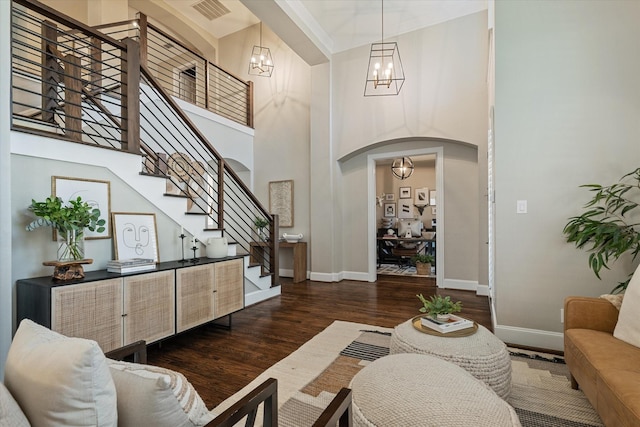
(220, 362)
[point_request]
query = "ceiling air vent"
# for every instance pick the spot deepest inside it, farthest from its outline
(211, 9)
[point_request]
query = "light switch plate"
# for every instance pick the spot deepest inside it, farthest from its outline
(521, 206)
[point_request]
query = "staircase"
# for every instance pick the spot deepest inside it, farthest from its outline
(96, 92)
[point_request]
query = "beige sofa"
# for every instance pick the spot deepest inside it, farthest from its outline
(605, 368)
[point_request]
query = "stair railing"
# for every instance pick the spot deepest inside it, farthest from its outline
(56, 71)
(73, 82)
(196, 171)
(185, 73)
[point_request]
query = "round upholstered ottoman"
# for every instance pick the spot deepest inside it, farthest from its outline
(481, 354)
(416, 390)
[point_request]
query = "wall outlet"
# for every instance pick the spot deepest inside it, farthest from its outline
(562, 315)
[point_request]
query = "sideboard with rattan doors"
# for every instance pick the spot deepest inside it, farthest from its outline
(119, 309)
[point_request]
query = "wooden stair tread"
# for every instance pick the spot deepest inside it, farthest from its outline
(155, 175)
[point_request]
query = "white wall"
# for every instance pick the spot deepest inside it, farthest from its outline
(444, 94)
(567, 113)
(226, 136)
(33, 247)
(460, 207)
(6, 285)
(281, 120)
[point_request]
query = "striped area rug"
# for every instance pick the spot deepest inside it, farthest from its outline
(311, 376)
(541, 391)
(397, 270)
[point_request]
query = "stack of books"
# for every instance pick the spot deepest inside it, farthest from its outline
(455, 323)
(130, 265)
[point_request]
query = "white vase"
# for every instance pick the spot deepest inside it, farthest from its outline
(443, 317)
(217, 247)
(70, 245)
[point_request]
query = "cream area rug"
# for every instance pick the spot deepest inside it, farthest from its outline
(311, 376)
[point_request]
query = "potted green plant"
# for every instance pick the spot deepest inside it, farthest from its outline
(608, 228)
(423, 263)
(70, 221)
(439, 307)
(261, 224)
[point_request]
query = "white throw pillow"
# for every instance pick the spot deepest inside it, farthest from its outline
(60, 381)
(628, 326)
(154, 396)
(10, 413)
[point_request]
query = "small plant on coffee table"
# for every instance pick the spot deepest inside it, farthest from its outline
(439, 307)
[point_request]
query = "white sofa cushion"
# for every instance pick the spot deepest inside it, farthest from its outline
(628, 326)
(10, 413)
(60, 381)
(154, 396)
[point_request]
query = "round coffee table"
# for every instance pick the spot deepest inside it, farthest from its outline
(416, 390)
(482, 354)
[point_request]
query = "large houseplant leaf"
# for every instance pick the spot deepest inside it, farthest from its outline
(607, 228)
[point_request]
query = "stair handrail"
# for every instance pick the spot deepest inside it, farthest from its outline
(144, 26)
(51, 13)
(130, 55)
(269, 257)
(168, 98)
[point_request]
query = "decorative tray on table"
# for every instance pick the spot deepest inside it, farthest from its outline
(467, 331)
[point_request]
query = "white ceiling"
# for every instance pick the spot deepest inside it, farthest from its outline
(337, 24)
(352, 23)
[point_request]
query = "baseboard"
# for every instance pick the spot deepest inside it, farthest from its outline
(355, 275)
(325, 277)
(482, 290)
(530, 337)
(461, 285)
(258, 296)
(286, 272)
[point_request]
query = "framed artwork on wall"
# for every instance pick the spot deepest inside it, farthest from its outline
(405, 192)
(281, 201)
(405, 209)
(389, 210)
(422, 196)
(389, 197)
(136, 235)
(95, 192)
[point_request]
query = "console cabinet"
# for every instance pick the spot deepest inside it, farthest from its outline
(207, 292)
(116, 310)
(149, 307)
(89, 310)
(229, 289)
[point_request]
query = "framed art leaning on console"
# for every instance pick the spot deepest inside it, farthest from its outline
(135, 235)
(95, 192)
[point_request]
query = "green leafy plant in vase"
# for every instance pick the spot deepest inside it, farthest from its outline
(609, 227)
(70, 221)
(261, 224)
(439, 307)
(423, 263)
